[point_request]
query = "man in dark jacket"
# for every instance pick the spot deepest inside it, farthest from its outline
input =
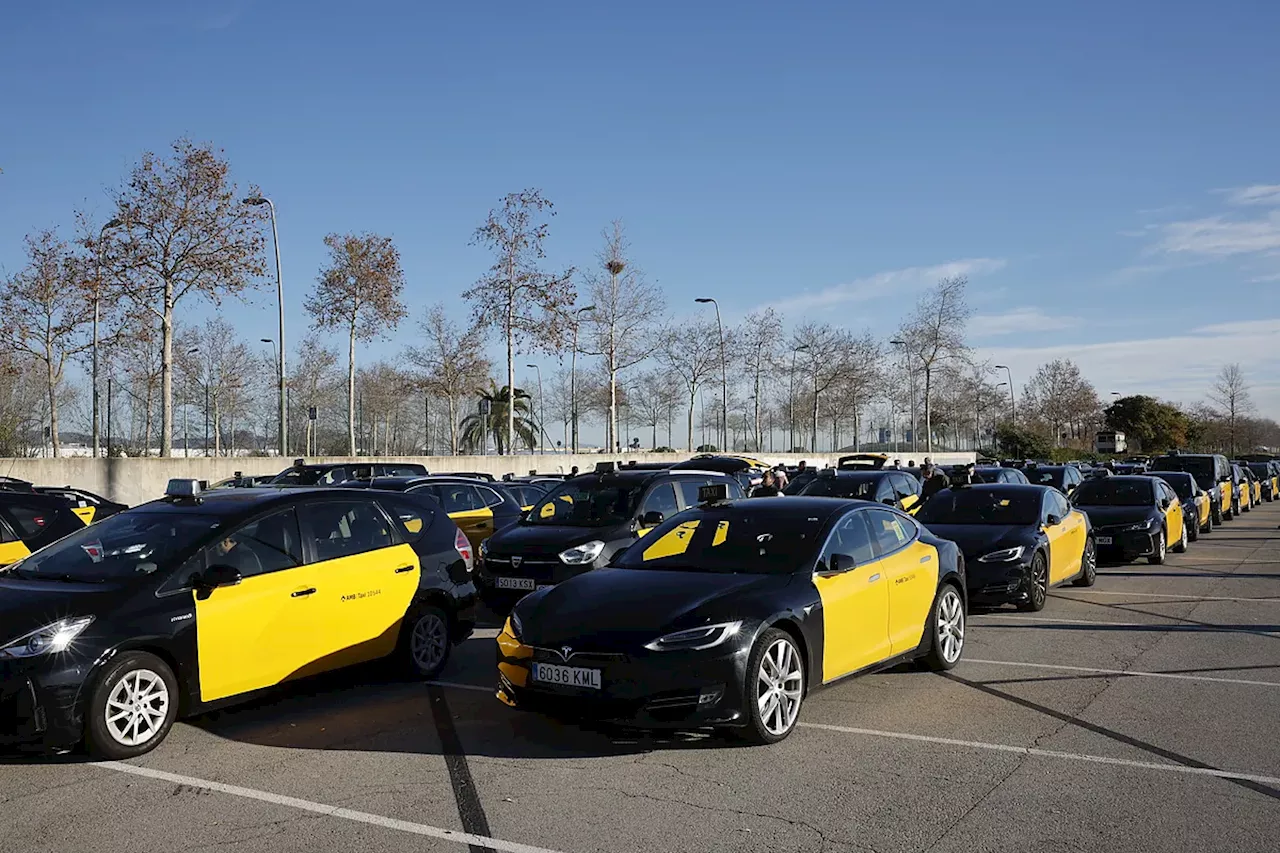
(934, 481)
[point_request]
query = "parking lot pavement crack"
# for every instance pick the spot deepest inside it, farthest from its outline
(976, 804)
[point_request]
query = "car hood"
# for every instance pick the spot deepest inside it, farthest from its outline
(26, 605)
(1110, 516)
(978, 539)
(623, 608)
(546, 539)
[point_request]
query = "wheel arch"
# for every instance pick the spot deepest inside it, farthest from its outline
(188, 690)
(789, 626)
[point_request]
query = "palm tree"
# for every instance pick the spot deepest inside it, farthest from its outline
(475, 427)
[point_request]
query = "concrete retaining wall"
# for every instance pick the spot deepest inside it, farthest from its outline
(135, 481)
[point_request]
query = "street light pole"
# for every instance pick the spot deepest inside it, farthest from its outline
(724, 376)
(275, 239)
(573, 373)
(97, 310)
(542, 430)
(1013, 407)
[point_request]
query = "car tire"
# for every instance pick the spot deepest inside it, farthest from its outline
(426, 640)
(1160, 551)
(1180, 547)
(775, 661)
(1088, 565)
(132, 707)
(1193, 530)
(946, 629)
(1037, 591)
(1217, 516)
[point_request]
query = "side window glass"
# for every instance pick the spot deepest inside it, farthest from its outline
(6, 535)
(884, 491)
(662, 499)
(689, 490)
(888, 530)
(29, 519)
(412, 520)
(269, 544)
(333, 475)
(905, 486)
(489, 496)
(342, 528)
(850, 537)
(459, 497)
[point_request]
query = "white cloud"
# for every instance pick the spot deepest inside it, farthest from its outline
(1219, 236)
(1264, 194)
(888, 283)
(1019, 320)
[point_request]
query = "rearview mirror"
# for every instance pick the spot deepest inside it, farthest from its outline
(219, 575)
(652, 518)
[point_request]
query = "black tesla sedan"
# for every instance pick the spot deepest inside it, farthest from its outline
(1017, 541)
(1133, 516)
(727, 614)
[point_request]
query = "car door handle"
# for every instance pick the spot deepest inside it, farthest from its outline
(873, 578)
(404, 569)
(302, 593)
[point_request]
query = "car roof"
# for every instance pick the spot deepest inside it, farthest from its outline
(1003, 488)
(861, 473)
(235, 503)
(1163, 474)
(798, 506)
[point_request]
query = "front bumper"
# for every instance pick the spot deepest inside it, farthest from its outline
(40, 700)
(996, 583)
(643, 689)
(532, 573)
(1124, 545)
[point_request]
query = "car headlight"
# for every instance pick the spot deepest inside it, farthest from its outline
(695, 639)
(1003, 556)
(1141, 525)
(580, 555)
(50, 639)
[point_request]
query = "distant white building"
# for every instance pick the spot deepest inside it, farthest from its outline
(1110, 441)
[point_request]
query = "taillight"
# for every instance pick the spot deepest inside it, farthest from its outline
(463, 546)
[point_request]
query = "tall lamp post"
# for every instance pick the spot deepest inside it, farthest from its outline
(1013, 407)
(791, 395)
(542, 431)
(573, 373)
(724, 376)
(275, 239)
(97, 311)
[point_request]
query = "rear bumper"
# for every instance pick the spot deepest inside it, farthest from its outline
(1124, 546)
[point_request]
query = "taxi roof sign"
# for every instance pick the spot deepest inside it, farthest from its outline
(606, 467)
(713, 493)
(183, 488)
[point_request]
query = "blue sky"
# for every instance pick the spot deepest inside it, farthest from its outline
(1106, 173)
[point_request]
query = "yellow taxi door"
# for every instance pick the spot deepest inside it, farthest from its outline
(1056, 521)
(1224, 489)
(264, 629)
(907, 489)
(366, 577)
(855, 599)
(911, 569)
(463, 504)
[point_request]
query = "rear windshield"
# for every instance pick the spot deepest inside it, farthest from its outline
(1200, 467)
(1110, 492)
(841, 487)
(1260, 468)
(981, 506)
(727, 541)
(1044, 476)
(588, 503)
(1180, 483)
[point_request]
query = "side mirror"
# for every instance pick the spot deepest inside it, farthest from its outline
(840, 563)
(219, 575)
(1165, 503)
(652, 518)
(1052, 519)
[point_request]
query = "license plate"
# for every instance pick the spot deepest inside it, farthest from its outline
(1104, 540)
(566, 676)
(514, 583)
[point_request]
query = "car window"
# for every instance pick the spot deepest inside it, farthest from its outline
(269, 544)
(489, 496)
(850, 537)
(342, 528)
(688, 487)
(884, 490)
(30, 519)
(888, 530)
(661, 499)
(458, 497)
(401, 471)
(1056, 504)
(412, 520)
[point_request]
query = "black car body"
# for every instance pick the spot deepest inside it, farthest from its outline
(582, 523)
(671, 635)
(1268, 474)
(748, 472)
(1133, 516)
(1064, 478)
(249, 481)
(218, 596)
(890, 486)
(1197, 505)
(30, 520)
(479, 507)
(89, 506)
(332, 473)
(798, 479)
(1017, 540)
(1211, 470)
(999, 474)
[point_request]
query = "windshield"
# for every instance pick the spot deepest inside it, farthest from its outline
(1260, 468)
(588, 503)
(726, 541)
(982, 506)
(1111, 492)
(1180, 483)
(1044, 476)
(840, 487)
(126, 545)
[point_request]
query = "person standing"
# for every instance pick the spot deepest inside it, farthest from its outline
(767, 489)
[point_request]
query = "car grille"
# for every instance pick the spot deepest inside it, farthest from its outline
(577, 658)
(541, 568)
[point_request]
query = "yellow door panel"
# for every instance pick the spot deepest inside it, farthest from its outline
(1059, 550)
(1225, 490)
(855, 619)
(912, 574)
(85, 513)
(12, 552)
(360, 603)
(475, 524)
(257, 633)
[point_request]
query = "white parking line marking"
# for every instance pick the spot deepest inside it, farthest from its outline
(460, 686)
(1273, 600)
(1125, 672)
(1171, 626)
(327, 810)
(1050, 753)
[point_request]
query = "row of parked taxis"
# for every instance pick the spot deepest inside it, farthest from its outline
(655, 594)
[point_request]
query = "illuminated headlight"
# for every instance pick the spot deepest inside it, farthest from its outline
(696, 639)
(580, 555)
(1003, 556)
(1141, 525)
(51, 639)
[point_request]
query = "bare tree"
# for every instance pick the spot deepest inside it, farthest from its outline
(515, 295)
(452, 362)
(312, 381)
(756, 349)
(628, 313)
(691, 352)
(359, 292)
(652, 399)
(826, 351)
(46, 314)
(1058, 396)
(935, 332)
(184, 230)
(1230, 393)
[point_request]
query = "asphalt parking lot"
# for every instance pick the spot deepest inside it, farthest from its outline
(1140, 714)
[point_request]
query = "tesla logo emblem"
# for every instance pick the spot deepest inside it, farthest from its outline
(566, 652)
(516, 561)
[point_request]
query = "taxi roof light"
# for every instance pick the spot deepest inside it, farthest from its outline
(606, 467)
(713, 493)
(184, 488)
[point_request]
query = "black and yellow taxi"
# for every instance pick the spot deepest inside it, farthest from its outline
(747, 470)
(302, 473)
(1064, 478)
(729, 613)
(884, 486)
(480, 508)
(31, 520)
(1196, 503)
(1018, 541)
(1267, 473)
(1254, 482)
(1243, 487)
(88, 506)
(1211, 470)
(1134, 516)
(583, 522)
(200, 599)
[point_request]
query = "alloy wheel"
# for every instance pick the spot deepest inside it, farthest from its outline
(1039, 583)
(951, 625)
(428, 642)
(137, 707)
(780, 687)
